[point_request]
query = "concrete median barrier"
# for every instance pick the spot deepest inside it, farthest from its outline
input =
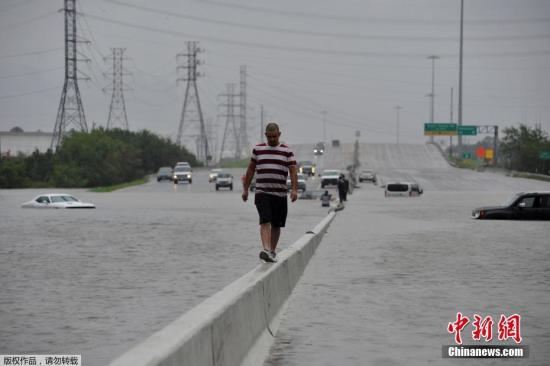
(235, 326)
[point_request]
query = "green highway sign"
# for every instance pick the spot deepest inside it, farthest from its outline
(467, 130)
(544, 155)
(467, 155)
(439, 129)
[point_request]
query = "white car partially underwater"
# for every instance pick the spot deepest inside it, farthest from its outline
(56, 200)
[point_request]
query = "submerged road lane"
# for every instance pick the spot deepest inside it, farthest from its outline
(391, 273)
(97, 282)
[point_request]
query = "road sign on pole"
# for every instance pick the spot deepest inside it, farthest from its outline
(544, 155)
(440, 129)
(467, 130)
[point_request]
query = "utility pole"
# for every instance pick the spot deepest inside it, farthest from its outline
(262, 123)
(460, 74)
(70, 112)
(325, 127)
(117, 109)
(451, 121)
(432, 94)
(397, 108)
(243, 130)
(230, 116)
(192, 94)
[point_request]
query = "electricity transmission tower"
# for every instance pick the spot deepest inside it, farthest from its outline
(70, 113)
(230, 122)
(192, 97)
(117, 110)
(243, 130)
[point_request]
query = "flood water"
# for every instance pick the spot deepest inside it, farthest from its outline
(97, 282)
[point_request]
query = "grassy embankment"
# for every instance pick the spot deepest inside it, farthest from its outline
(136, 182)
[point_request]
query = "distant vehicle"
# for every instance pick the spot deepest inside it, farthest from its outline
(165, 173)
(306, 167)
(56, 200)
(329, 178)
(335, 143)
(224, 180)
(319, 148)
(183, 163)
(182, 174)
(402, 189)
(522, 206)
(213, 175)
(301, 182)
(367, 176)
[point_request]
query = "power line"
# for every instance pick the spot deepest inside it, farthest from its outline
(34, 53)
(25, 22)
(2, 97)
(32, 73)
(347, 18)
(325, 34)
(338, 53)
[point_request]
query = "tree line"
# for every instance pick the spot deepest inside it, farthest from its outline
(518, 149)
(98, 158)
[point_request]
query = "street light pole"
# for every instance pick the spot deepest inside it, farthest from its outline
(324, 126)
(397, 108)
(432, 95)
(460, 74)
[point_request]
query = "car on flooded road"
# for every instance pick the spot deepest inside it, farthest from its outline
(522, 206)
(367, 176)
(330, 178)
(164, 173)
(56, 200)
(306, 167)
(224, 180)
(301, 183)
(213, 175)
(182, 174)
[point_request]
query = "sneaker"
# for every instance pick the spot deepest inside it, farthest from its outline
(266, 256)
(272, 255)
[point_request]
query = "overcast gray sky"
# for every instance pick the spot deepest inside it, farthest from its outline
(356, 59)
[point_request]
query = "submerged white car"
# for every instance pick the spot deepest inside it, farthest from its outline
(56, 200)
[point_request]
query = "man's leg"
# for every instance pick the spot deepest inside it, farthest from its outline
(275, 234)
(265, 235)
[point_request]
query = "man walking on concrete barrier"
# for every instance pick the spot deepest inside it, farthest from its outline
(271, 163)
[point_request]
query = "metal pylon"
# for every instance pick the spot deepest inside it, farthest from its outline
(117, 109)
(192, 95)
(70, 112)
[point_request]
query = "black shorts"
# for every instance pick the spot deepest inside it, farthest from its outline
(271, 209)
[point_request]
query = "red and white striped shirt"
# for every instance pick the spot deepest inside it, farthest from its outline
(272, 163)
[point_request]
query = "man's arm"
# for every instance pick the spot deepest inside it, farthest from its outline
(293, 183)
(248, 179)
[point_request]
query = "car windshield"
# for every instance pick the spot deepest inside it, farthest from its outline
(396, 187)
(302, 163)
(181, 169)
(331, 172)
(165, 170)
(301, 177)
(56, 199)
(511, 200)
(224, 175)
